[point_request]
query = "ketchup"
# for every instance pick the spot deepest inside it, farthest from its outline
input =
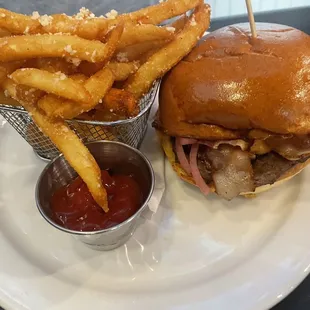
(73, 206)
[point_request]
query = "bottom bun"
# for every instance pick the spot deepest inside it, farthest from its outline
(171, 156)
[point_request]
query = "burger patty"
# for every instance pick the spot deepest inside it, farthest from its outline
(270, 167)
(204, 166)
(267, 168)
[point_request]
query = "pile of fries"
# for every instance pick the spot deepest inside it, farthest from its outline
(61, 67)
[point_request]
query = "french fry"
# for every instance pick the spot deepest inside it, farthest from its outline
(144, 57)
(17, 24)
(75, 152)
(8, 100)
(123, 70)
(79, 77)
(52, 65)
(119, 102)
(67, 142)
(88, 68)
(52, 83)
(54, 106)
(112, 42)
(91, 29)
(111, 45)
(4, 33)
(7, 68)
(163, 60)
(135, 52)
(31, 46)
(59, 64)
(97, 85)
(22, 92)
(143, 33)
(179, 23)
(156, 14)
(94, 28)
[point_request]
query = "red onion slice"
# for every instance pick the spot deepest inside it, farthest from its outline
(181, 156)
(200, 182)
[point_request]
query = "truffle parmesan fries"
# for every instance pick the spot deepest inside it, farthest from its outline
(61, 67)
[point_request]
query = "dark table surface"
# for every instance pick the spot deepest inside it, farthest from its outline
(299, 299)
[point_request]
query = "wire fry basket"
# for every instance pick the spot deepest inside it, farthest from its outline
(129, 131)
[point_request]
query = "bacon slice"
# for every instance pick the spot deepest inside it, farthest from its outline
(291, 148)
(233, 172)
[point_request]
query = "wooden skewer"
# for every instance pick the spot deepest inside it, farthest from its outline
(251, 18)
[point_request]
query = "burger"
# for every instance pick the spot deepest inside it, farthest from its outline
(234, 115)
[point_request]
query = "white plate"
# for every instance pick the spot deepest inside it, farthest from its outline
(194, 253)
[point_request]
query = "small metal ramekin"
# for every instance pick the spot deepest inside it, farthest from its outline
(113, 155)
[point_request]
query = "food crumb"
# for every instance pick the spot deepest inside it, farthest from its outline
(26, 30)
(2, 15)
(68, 48)
(171, 29)
(6, 93)
(62, 76)
(193, 21)
(112, 14)
(75, 61)
(35, 15)
(93, 55)
(3, 43)
(122, 57)
(45, 20)
(84, 13)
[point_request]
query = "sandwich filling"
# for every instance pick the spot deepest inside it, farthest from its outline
(239, 166)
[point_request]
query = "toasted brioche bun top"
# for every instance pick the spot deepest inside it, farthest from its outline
(232, 82)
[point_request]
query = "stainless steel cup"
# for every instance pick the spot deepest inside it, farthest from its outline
(113, 155)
